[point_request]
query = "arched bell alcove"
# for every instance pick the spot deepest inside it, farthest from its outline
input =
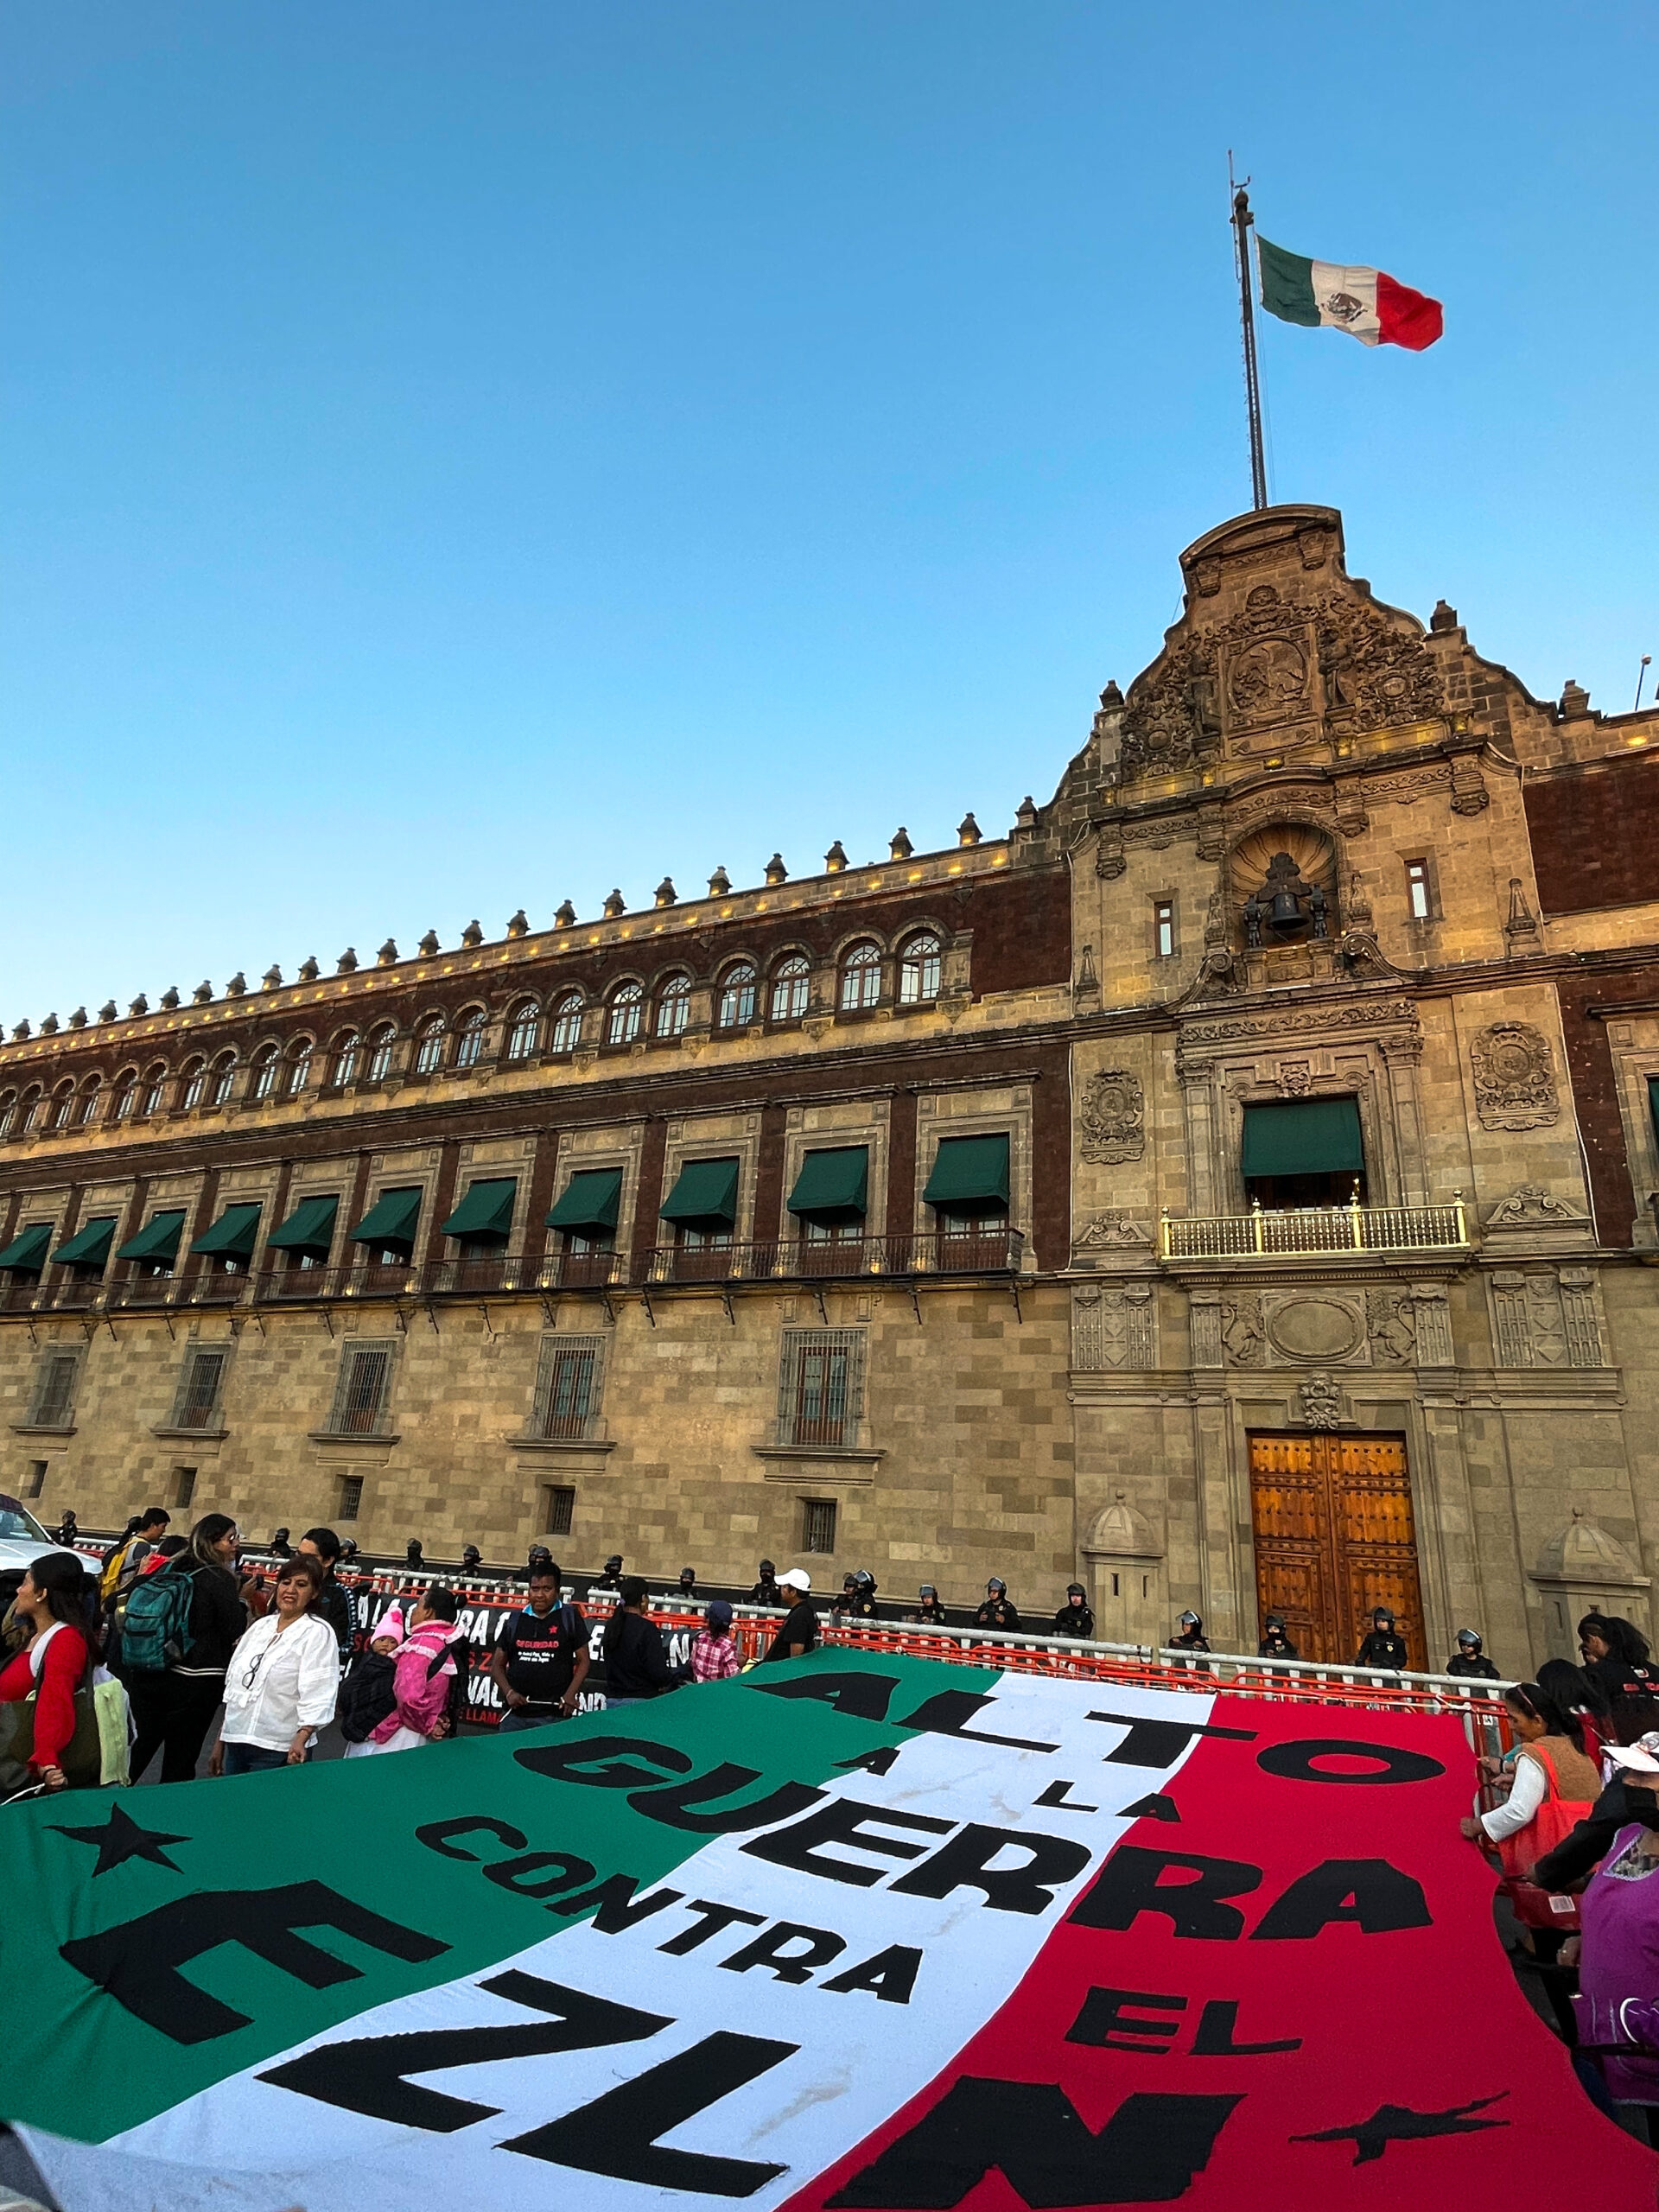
(1282, 885)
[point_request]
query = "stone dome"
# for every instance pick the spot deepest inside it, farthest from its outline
(1583, 1553)
(1120, 1532)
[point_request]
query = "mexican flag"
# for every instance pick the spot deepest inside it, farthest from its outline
(1368, 303)
(862, 1931)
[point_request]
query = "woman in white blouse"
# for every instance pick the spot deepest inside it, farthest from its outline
(282, 1680)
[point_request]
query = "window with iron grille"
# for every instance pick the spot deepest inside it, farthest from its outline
(570, 1379)
(363, 1390)
(919, 970)
(558, 1510)
(53, 1406)
(350, 1496)
(196, 1404)
(821, 1386)
(184, 1485)
(817, 1524)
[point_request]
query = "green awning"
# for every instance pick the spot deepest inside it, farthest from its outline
(89, 1247)
(157, 1240)
(705, 1197)
(969, 1171)
(833, 1185)
(25, 1255)
(487, 1210)
(590, 1202)
(391, 1220)
(309, 1228)
(232, 1236)
(1304, 1136)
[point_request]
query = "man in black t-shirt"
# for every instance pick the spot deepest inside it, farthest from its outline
(540, 1659)
(799, 1633)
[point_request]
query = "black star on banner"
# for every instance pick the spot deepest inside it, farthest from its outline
(123, 1839)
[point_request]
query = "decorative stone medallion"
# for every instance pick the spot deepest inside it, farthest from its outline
(1112, 1116)
(1514, 1077)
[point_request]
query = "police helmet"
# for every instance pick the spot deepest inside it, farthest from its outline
(1190, 1620)
(1468, 1639)
(863, 1579)
(1276, 1620)
(614, 1565)
(927, 1591)
(1075, 1590)
(1381, 1613)
(997, 1584)
(688, 1575)
(471, 1556)
(767, 1568)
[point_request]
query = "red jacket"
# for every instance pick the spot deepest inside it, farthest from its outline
(54, 1668)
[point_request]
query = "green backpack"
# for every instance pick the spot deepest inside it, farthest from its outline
(157, 1628)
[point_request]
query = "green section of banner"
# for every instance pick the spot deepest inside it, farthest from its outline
(186, 1933)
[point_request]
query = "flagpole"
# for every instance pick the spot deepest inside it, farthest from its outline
(1242, 219)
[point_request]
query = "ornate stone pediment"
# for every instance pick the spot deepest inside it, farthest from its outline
(1531, 1206)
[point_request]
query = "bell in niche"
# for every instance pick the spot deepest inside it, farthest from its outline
(1285, 904)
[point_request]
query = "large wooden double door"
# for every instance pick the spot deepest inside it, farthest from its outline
(1333, 1538)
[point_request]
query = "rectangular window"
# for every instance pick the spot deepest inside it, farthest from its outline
(362, 1392)
(1419, 891)
(818, 1524)
(184, 1485)
(195, 1404)
(1163, 928)
(568, 1383)
(821, 1386)
(558, 1510)
(36, 1477)
(54, 1390)
(350, 1496)
(1305, 1152)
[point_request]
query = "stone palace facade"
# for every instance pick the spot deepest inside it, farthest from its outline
(1234, 1188)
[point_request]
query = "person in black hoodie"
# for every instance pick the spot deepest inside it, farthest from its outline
(1385, 1647)
(636, 1658)
(1075, 1616)
(1470, 1660)
(172, 1709)
(1616, 1658)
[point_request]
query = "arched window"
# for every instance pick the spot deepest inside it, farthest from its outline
(223, 1075)
(299, 1066)
(86, 1104)
(195, 1082)
(919, 970)
(62, 1099)
(30, 1114)
(381, 1041)
(429, 1045)
(627, 1006)
(737, 996)
(674, 1006)
(861, 977)
(567, 1024)
(8, 1113)
(347, 1053)
(265, 1073)
(790, 983)
(469, 1037)
(154, 1090)
(126, 1096)
(524, 1031)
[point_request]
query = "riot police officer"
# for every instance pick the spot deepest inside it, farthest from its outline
(930, 1608)
(766, 1591)
(999, 1610)
(1275, 1640)
(1385, 1647)
(1469, 1659)
(1075, 1616)
(1190, 1636)
(612, 1577)
(858, 1596)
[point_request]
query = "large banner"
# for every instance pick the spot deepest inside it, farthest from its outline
(853, 1932)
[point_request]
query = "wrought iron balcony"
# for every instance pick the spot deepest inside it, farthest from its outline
(1309, 1232)
(842, 1259)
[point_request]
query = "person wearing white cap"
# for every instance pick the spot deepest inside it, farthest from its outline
(799, 1632)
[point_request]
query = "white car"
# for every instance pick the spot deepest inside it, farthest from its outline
(23, 1540)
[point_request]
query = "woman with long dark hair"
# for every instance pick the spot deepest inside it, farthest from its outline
(174, 1705)
(55, 1603)
(1554, 1789)
(282, 1680)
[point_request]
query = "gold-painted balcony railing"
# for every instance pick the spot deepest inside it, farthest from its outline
(1306, 1232)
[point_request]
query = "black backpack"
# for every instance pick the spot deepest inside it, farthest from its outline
(368, 1695)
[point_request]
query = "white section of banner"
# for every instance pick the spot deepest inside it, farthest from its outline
(1346, 299)
(843, 2062)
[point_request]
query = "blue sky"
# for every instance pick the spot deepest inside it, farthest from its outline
(459, 456)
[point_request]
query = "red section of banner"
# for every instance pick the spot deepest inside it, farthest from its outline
(1407, 318)
(1290, 1996)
